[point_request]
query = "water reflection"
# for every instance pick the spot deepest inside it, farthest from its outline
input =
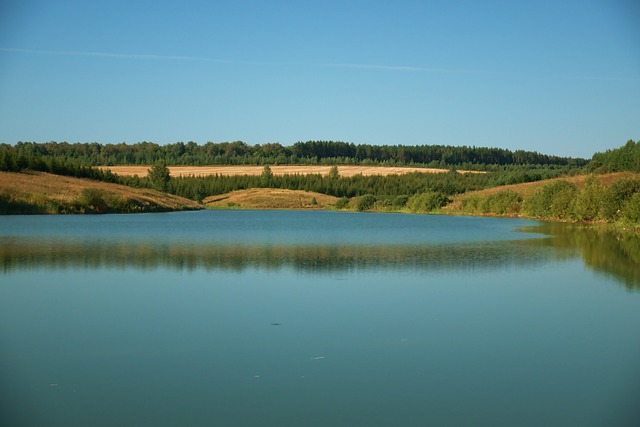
(604, 250)
(28, 253)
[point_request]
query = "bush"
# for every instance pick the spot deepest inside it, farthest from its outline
(384, 203)
(554, 200)
(588, 200)
(400, 201)
(91, 199)
(426, 202)
(471, 205)
(342, 203)
(616, 196)
(631, 209)
(504, 202)
(365, 202)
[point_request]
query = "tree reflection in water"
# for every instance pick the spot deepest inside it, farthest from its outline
(605, 251)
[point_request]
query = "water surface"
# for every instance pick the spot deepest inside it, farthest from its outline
(315, 318)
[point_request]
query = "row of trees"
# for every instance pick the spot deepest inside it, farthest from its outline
(13, 160)
(310, 152)
(625, 158)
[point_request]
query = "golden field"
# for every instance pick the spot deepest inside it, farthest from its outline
(177, 171)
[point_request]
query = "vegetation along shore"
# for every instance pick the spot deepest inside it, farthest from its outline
(146, 177)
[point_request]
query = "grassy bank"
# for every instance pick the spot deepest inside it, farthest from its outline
(43, 193)
(270, 198)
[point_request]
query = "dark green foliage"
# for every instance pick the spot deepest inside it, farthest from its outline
(555, 200)
(310, 152)
(366, 202)
(266, 177)
(159, 177)
(427, 202)
(625, 158)
(342, 203)
(400, 201)
(615, 197)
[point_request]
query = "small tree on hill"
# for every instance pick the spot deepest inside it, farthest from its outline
(159, 176)
(333, 173)
(266, 176)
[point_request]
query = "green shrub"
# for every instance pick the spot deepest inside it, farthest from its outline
(365, 202)
(588, 200)
(400, 201)
(91, 199)
(504, 202)
(384, 203)
(631, 209)
(471, 205)
(342, 203)
(616, 196)
(554, 200)
(426, 202)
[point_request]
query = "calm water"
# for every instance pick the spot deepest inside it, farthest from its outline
(278, 318)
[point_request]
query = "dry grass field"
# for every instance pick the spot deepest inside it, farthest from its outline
(270, 198)
(177, 171)
(49, 191)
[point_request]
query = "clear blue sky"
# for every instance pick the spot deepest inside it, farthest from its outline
(558, 77)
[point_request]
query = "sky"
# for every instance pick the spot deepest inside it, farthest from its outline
(558, 77)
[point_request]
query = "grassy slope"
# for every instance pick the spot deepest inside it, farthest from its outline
(270, 198)
(37, 192)
(527, 189)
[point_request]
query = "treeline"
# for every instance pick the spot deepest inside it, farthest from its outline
(16, 160)
(310, 152)
(625, 158)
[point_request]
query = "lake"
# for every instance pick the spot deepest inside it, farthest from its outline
(287, 318)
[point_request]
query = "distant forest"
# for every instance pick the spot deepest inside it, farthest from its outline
(503, 166)
(310, 152)
(625, 158)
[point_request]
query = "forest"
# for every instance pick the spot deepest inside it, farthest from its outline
(625, 158)
(310, 152)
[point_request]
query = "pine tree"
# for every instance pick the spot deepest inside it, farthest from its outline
(159, 176)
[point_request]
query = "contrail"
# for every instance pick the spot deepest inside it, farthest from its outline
(152, 57)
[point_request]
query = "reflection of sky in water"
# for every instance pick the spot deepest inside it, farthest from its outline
(270, 227)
